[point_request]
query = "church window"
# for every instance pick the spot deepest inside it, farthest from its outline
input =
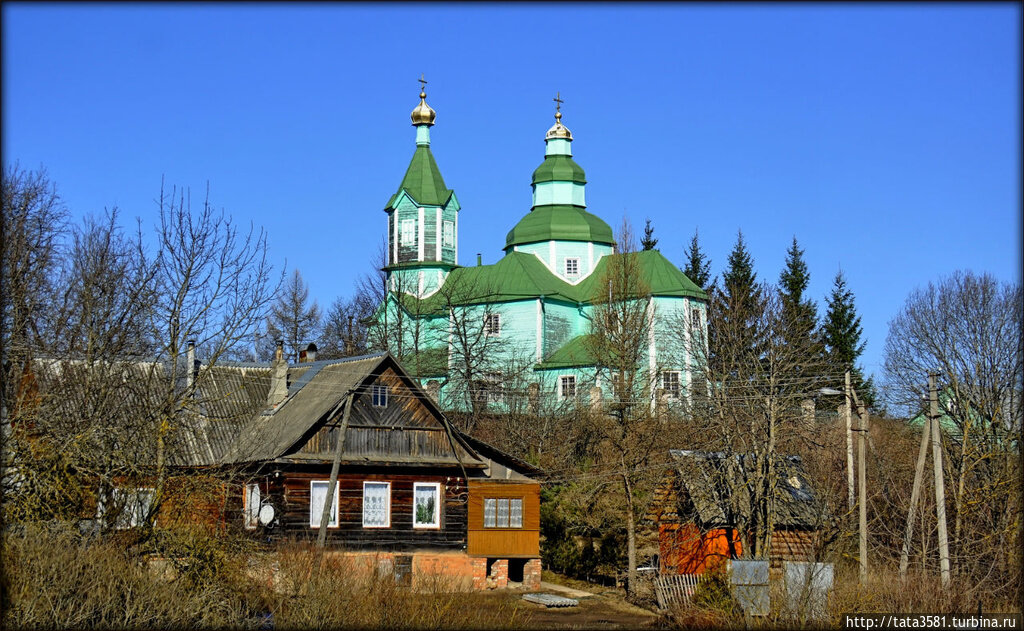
(449, 234)
(567, 387)
(572, 267)
(492, 324)
(670, 383)
(408, 231)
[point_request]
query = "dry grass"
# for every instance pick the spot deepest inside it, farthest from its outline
(56, 579)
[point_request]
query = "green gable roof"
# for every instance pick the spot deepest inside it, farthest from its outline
(575, 352)
(522, 276)
(423, 181)
(559, 168)
(559, 223)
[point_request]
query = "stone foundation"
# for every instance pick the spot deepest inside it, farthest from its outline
(442, 571)
(531, 574)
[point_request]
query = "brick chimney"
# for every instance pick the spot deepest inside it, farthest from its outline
(278, 377)
(308, 354)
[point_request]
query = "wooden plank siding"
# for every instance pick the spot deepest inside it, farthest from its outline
(504, 542)
(290, 494)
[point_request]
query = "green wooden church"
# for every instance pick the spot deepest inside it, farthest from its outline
(518, 330)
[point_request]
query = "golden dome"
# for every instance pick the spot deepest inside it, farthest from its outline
(558, 130)
(423, 114)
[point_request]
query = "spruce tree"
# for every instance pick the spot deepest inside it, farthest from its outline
(648, 242)
(732, 328)
(698, 266)
(841, 332)
(800, 314)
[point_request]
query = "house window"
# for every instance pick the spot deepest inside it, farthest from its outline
(572, 267)
(133, 506)
(493, 389)
(317, 496)
(567, 387)
(670, 383)
(503, 512)
(449, 234)
(252, 505)
(426, 505)
(380, 396)
(408, 231)
(492, 324)
(376, 504)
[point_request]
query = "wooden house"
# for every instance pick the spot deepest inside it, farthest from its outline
(701, 501)
(412, 491)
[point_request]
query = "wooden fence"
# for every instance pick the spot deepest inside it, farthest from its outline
(674, 589)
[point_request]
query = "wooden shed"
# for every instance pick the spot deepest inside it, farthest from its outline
(697, 512)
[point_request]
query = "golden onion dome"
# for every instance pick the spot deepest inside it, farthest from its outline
(558, 130)
(423, 114)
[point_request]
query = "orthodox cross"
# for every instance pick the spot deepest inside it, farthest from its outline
(423, 82)
(558, 99)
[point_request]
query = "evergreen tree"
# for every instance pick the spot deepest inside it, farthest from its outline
(648, 242)
(800, 315)
(733, 330)
(841, 332)
(698, 266)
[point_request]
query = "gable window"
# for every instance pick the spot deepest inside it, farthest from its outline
(567, 387)
(449, 234)
(426, 505)
(572, 267)
(132, 506)
(317, 497)
(408, 231)
(503, 512)
(380, 396)
(670, 383)
(492, 324)
(251, 511)
(376, 504)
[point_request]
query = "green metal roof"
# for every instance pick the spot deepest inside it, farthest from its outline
(423, 181)
(522, 276)
(574, 353)
(559, 168)
(559, 223)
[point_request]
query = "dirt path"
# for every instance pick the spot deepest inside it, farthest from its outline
(599, 611)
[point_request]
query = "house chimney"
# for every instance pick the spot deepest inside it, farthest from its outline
(479, 259)
(278, 377)
(190, 358)
(308, 355)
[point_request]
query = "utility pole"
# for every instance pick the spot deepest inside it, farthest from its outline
(940, 491)
(847, 410)
(922, 455)
(862, 412)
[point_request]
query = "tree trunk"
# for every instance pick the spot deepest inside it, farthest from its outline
(630, 537)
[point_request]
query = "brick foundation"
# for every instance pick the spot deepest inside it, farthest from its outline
(531, 574)
(498, 578)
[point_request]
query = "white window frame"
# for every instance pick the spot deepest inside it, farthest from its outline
(448, 234)
(672, 394)
(492, 324)
(314, 520)
(572, 266)
(387, 505)
(436, 523)
(562, 381)
(379, 395)
(251, 511)
(495, 503)
(132, 511)
(408, 231)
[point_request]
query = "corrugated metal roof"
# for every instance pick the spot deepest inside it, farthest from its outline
(268, 436)
(710, 479)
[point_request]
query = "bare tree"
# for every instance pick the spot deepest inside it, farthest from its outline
(967, 328)
(292, 318)
(632, 437)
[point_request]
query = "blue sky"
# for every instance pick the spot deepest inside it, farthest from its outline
(886, 138)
